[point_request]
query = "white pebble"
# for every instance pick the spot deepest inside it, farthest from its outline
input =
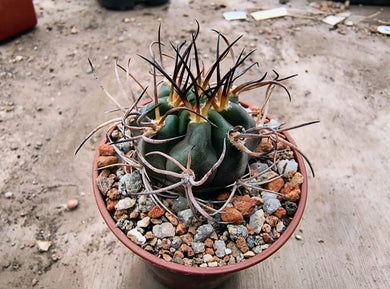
(125, 203)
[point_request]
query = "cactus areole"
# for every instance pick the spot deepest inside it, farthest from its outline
(194, 137)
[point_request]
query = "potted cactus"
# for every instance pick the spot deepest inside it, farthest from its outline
(192, 179)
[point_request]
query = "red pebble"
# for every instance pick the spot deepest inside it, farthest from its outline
(156, 212)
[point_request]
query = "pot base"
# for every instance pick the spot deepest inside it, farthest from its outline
(187, 280)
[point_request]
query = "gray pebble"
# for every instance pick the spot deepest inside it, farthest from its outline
(219, 248)
(250, 241)
(271, 205)
(203, 232)
(125, 147)
(267, 195)
(180, 204)
(186, 217)
(256, 221)
(198, 247)
(176, 242)
(257, 249)
(237, 231)
(130, 183)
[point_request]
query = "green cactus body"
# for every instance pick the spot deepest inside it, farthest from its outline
(205, 141)
(203, 155)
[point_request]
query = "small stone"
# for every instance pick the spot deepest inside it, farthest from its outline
(198, 247)
(111, 205)
(34, 282)
(276, 234)
(242, 245)
(164, 230)
(203, 232)
(280, 227)
(8, 195)
(149, 235)
(125, 204)
(271, 205)
(297, 179)
(179, 254)
(291, 208)
(43, 246)
(267, 196)
(104, 184)
(250, 231)
(275, 185)
(265, 146)
(125, 146)
(284, 166)
(113, 194)
(130, 183)
(180, 204)
(186, 217)
(291, 193)
(171, 218)
(280, 212)
(208, 243)
(136, 236)
(207, 258)
(133, 215)
(272, 221)
(72, 204)
(104, 161)
(143, 223)
(209, 251)
(176, 242)
(181, 229)
(232, 246)
(74, 30)
(188, 239)
(298, 237)
(267, 238)
(120, 213)
(257, 250)
(237, 231)
(213, 264)
(249, 254)
(166, 244)
(231, 215)
(219, 248)
(106, 150)
(232, 260)
(250, 241)
(156, 212)
(187, 250)
(266, 228)
(259, 201)
(191, 230)
(256, 221)
(244, 204)
(167, 258)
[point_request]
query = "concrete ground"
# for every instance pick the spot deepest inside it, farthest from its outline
(49, 101)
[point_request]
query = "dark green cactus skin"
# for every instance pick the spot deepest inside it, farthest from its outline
(204, 140)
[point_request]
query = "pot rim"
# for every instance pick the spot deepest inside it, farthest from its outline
(207, 270)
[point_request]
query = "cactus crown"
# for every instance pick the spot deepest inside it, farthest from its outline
(194, 137)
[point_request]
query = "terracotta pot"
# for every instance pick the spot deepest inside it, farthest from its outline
(128, 4)
(16, 17)
(179, 276)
